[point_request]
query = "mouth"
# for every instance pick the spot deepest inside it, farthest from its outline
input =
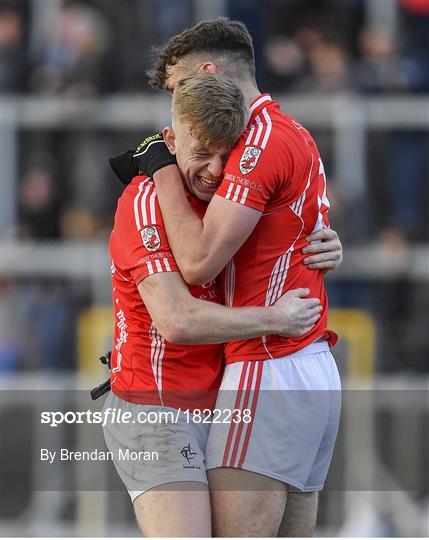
(208, 184)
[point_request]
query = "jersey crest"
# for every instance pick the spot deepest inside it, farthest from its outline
(249, 159)
(150, 238)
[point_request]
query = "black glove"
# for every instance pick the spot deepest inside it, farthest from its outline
(151, 155)
(123, 166)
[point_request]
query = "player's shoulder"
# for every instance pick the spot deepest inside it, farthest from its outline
(138, 207)
(140, 186)
(261, 141)
(266, 130)
(139, 195)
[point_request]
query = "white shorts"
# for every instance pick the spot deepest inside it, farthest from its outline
(293, 415)
(149, 454)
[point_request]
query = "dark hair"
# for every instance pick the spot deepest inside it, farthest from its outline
(220, 36)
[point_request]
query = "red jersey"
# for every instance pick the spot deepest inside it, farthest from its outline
(276, 169)
(145, 367)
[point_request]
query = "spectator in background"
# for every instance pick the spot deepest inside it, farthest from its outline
(328, 69)
(11, 346)
(12, 50)
(385, 68)
(39, 203)
(37, 332)
(48, 309)
(380, 69)
(285, 63)
(73, 61)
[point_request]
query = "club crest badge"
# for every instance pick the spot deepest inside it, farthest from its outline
(150, 237)
(249, 159)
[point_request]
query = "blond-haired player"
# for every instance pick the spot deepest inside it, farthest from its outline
(168, 352)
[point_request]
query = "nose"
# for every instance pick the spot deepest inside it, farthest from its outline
(215, 167)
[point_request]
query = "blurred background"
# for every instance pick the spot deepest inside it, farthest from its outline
(74, 92)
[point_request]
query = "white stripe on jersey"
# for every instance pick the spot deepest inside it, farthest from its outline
(228, 193)
(152, 207)
(149, 268)
(269, 127)
(244, 195)
(263, 131)
(136, 203)
(259, 132)
(249, 137)
(143, 205)
(280, 270)
(167, 265)
(258, 102)
(236, 193)
(158, 265)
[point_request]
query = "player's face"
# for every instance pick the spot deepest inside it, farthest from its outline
(201, 169)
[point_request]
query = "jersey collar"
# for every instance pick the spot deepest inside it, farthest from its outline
(257, 104)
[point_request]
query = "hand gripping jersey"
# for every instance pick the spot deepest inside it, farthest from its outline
(145, 367)
(276, 169)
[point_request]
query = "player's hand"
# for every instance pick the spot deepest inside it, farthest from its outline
(152, 154)
(296, 313)
(123, 166)
(326, 253)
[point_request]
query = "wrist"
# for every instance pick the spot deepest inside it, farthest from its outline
(274, 320)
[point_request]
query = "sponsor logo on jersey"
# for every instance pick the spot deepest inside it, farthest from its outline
(249, 159)
(150, 238)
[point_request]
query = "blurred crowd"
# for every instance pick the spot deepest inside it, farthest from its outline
(91, 48)
(87, 48)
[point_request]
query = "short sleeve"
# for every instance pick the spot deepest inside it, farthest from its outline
(139, 244)
(250, 176)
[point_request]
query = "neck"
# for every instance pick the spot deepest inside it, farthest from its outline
(250, 91)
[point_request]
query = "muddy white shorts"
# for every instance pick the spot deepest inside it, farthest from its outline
(292, 409)
(155, 446)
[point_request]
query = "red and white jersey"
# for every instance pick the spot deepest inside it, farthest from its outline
(276, 169)
(145, 367)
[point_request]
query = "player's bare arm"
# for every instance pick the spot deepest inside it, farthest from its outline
(181, 318)
(223, 230)
(215, 238)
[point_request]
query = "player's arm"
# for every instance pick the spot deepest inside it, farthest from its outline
(223, 230)
(201, 248)
(181, 318)
(216, 238)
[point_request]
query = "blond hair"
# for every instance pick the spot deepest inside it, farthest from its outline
(213, 107)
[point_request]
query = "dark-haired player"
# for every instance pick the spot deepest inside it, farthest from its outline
(267, 212)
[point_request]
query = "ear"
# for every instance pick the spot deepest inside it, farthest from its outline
(208, 67)
(170, 139)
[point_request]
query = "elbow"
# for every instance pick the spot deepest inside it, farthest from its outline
(197, 274)
(174, 329)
